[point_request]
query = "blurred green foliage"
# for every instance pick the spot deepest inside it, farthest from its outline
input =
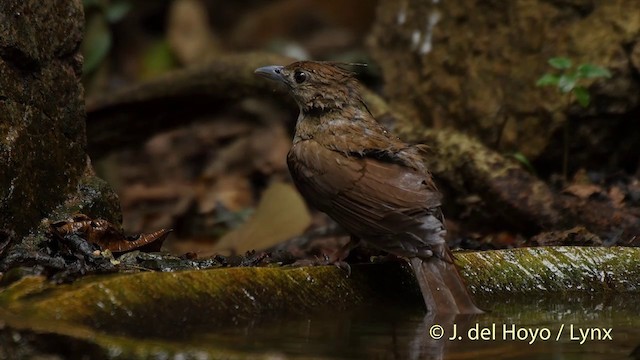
(523, 160)
(157, 59)
(100, 14)
(569, 80)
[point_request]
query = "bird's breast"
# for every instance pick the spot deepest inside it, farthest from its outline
(321, 174)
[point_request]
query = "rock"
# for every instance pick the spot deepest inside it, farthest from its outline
(43, 163)
(473, 65)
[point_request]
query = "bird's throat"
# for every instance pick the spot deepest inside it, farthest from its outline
(316, 111)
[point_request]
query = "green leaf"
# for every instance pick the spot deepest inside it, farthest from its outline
(582, 95)
(567, 82)
(590, 71)
(547, 80)
(116, 11)
(157, 59)
(96, 44)
(522, 159)
(560, 63)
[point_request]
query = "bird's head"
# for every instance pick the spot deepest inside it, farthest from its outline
(316, 86)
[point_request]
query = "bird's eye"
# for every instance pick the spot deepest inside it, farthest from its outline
(300, 76)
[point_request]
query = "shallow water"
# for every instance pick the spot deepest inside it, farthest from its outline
(552, 328)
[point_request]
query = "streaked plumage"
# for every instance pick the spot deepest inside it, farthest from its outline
(370, 182)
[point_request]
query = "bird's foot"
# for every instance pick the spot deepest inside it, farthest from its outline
(339, 263)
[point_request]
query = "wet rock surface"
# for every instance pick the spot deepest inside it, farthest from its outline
(43, 165)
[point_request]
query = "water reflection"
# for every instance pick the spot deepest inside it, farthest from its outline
(514, 329)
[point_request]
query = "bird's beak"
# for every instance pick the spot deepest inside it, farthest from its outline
(270, 72)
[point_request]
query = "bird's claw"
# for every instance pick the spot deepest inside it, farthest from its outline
(340, 264)
(344, 266)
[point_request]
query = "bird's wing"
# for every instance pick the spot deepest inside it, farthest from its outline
(367, 196)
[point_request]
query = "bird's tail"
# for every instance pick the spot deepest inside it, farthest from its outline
(442, 287)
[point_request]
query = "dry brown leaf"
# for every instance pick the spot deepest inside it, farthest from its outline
(583, 191)
(265, 23)
(617, 197)
(577, 236)
(280, 215)
(136, 194)
(269, 149)
(106, 235)
(231, 191)
(148, 207)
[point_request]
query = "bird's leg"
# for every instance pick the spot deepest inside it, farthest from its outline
(443, 253)
(338, 257)
(344, 251)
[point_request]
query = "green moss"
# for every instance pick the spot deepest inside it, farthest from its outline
(552, 270)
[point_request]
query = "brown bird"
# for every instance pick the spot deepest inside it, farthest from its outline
(349, 166)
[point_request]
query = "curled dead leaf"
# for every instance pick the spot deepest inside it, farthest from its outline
(106, 235)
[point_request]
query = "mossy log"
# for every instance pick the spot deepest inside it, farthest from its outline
(145, 305)
(562, 269)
